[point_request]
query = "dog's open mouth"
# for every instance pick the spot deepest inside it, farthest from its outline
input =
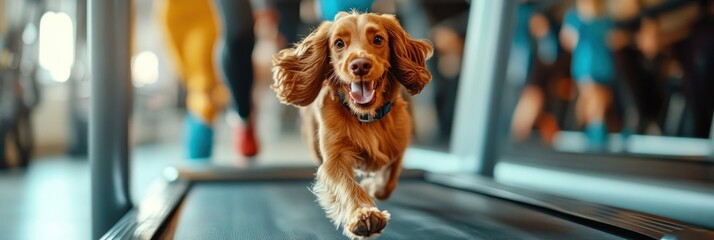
(362, 92)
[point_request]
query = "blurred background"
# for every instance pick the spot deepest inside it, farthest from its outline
(626, 78)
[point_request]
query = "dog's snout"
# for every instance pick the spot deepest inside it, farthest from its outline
(360, 66)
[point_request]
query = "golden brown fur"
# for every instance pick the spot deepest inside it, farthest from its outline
(311, 75)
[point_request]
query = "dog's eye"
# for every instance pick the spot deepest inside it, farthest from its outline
(378, 40)
(339, 44)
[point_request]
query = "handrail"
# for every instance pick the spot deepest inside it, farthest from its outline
(109, 38)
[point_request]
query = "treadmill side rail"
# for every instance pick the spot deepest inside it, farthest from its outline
(146, 221)
(626, 223)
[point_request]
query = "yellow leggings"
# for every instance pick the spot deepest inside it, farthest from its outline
(191, 30)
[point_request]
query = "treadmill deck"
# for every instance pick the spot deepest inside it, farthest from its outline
(419, 210)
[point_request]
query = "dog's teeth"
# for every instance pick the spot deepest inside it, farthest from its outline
(355, 87)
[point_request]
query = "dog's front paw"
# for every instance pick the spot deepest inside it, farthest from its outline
(367, 222)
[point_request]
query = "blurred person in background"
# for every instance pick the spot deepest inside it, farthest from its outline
(448, 33)
(588, 32)
(642, 88)
(639, 67)
(548, 87)
(677, 35)
(19, 93)
(193, 30)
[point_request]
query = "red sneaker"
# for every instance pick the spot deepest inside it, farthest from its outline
(246, 144)
(548, 126)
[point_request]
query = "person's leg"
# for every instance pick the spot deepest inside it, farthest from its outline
(237, 66)
(596, 99)
(191, 34)
(288, 20)
(527, 111)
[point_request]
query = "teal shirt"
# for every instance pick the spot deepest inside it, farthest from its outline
(591, 56)
(330, 8)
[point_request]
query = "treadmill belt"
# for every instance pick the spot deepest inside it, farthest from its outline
(419, 210)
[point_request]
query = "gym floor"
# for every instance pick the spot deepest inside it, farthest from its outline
(51, 198)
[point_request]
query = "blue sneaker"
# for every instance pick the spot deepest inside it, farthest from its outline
(198, 138)
(597, 136)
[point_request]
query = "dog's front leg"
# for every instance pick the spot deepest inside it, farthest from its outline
(344, 201)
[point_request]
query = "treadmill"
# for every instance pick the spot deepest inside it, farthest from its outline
(275, 203)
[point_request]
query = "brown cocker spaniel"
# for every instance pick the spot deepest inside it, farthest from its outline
(347, 77)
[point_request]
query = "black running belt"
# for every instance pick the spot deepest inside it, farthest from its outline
(419, 210)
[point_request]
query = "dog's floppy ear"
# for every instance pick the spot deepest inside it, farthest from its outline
(298, 72)
(408, 56)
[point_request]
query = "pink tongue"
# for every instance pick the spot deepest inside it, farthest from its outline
(362, 92)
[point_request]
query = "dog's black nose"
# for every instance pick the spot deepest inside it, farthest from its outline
(360, 66)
